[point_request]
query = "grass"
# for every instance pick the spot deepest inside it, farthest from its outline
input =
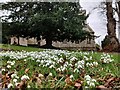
(18, 48)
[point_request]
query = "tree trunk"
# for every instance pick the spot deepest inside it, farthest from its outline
(48, 42)
(113, 43)
(18, 40)
(38, 41)
(118, 11)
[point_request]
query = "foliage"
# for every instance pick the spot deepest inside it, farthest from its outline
(54, 21)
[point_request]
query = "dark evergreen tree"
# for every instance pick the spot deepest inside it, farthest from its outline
(54, 21)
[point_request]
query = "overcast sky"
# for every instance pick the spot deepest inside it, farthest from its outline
(95, 20)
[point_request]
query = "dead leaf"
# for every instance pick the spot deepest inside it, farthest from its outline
(109, 81)
(68, 81)
(26, 70)
(101, 87)
(78, 85)
(38, 81)
(22, 85)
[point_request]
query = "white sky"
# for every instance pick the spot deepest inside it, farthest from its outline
(95, 21)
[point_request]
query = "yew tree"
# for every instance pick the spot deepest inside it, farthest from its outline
(54, 21)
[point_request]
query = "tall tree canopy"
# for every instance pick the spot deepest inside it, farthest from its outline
(54, 21)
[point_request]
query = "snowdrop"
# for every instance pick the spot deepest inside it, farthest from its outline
(71, 76)
(3, 69)
(10, 85)
(14, 75)
(8, 66)
(106, 58)
(50, 74)
(14, 80)
(73, 59)
(28, 86)
(51, 66)
(90, 82)
(95, 63)
(25, 77)
(76, 70)
(12, 63)
(87, 77)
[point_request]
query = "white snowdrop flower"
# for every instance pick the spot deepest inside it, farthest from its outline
(92, 84)
(87, 64)
(70, 65)
(71, 76)
(12, 63)
(86, 87)
(37, 60)
(14, 80)
(90, 57)
(10, 85)
(17, 77)
(25, 77)
(8, 66)
(3, 69)
(88, 82)
(13, 75)
(51, 66)
(40, 75)
(8, 61)
(87, 77)
(79, 66)
(93, 80)
(25, 60)
(76, 70)
(63, 68)
(50, 74)
(90, 64)
(28, 86)
(73, 59)
(95, 63)
(58, 69)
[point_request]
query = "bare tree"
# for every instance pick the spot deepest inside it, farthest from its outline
(110, 42)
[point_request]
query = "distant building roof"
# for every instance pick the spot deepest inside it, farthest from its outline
(88, 28)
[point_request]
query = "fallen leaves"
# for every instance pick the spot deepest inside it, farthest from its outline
(109, 81)
(68, 81)
(102, 87)
(27, 70)
(78, 84)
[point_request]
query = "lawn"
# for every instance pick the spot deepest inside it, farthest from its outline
(18, 48)
(47, 68)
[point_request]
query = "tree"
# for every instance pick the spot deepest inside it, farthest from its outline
(54, 21)
(17, 19)
(109, 9)
(117, 10)
(110, 43)
(113, 43)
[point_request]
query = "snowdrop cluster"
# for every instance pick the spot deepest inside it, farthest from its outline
(60, 60)
(90, 83)
(106, 58)
(11, 62)
(92, 64)
(25, 77)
